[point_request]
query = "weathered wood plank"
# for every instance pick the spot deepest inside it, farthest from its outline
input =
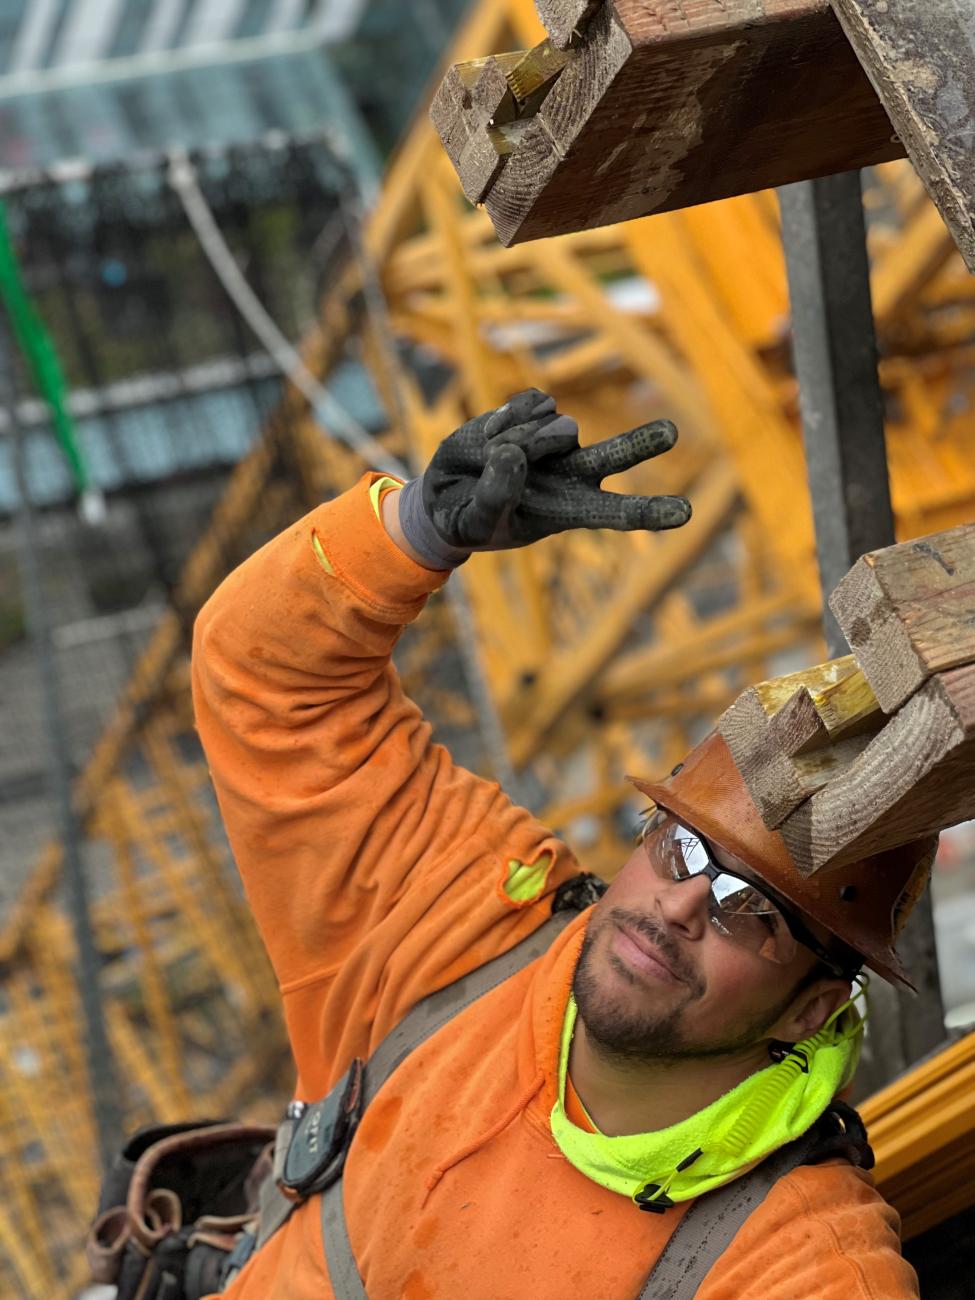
(473, 99)
(816, 716)
(478, 106)
(908, 611)
(666, 105)
(785, 747)
(921, 60)
(913, 779)
(777, 781)
(566, 20)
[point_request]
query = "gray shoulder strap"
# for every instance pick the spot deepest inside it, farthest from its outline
(436, 1010)
(415, 1028)
(709, 1226)
(343, 1271)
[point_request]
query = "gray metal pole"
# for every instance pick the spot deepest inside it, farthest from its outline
(101, 1071)
(835, 351)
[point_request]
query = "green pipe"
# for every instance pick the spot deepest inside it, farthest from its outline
(38, 349)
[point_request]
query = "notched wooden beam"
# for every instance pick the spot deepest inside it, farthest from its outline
(566, 20)
(875, 750)
(908, 611)
(921, 58)
(471, 99)
(913, 779)
(820, 714)
(791, 735)
(479, 106)
(668, 105)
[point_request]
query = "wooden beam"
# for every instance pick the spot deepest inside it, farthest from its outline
(913, 779)
(921, 59)
(820, 715)
(782, 767)
(661, 108)
(566, 20)
(478, 100)
(908, 611)
(472, 99)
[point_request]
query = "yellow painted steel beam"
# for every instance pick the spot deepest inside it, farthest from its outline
(619, 643)
(922, 1128)
(655, 568)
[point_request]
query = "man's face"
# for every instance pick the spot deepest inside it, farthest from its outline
(656, 979)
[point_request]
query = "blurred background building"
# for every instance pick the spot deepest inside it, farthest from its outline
(244, 245)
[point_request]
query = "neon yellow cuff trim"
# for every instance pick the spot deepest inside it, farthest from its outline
(323, 559)
(377, 490)
(524, 882)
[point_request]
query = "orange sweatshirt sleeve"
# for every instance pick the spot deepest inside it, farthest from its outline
(375, 866)
(823, 1233)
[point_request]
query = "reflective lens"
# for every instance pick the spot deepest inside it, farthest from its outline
(738, 909)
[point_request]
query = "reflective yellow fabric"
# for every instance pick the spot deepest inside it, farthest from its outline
(765, 1111)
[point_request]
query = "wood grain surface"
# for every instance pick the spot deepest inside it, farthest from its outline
(817, 716)
(921, 59)
(779, 781)
(681, 102)
(471, 102)
(566, 20)
(914, 778)
(908, 611)
(785, 748)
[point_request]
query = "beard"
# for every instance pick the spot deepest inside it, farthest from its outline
(629, 1033)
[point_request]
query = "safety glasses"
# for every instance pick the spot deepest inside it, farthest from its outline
(737, 909)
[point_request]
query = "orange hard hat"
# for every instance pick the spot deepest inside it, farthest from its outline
(864, 904)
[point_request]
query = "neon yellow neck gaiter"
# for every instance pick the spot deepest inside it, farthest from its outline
(763, 1113)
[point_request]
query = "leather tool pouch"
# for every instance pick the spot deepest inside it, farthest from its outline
(175, 1204)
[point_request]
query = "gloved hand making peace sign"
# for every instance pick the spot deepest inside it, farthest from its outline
(517, 474)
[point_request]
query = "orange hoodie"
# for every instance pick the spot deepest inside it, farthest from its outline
(376, 869)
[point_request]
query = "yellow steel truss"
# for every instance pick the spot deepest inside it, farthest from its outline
(602, 653)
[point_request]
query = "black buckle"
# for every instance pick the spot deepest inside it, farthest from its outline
(841, 1132)
(322, 1136)
(653, 1200)
(578, 893)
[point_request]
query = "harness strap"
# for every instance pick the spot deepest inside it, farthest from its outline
(343, 1272)
(709, 1226)
(414, 1029)
(436, 1010)
(700, 1238)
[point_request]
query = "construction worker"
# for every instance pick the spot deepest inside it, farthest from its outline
(672, 1041)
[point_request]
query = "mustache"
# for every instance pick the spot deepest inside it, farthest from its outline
(658, 934)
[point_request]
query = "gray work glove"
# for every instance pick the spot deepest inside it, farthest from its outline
(512, 476)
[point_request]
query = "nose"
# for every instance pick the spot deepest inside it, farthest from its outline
(683, 904)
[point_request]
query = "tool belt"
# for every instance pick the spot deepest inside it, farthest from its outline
(178, 1208)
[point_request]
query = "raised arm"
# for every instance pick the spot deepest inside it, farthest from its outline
(377, 869)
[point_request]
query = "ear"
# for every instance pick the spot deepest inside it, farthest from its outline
(811, 1009)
